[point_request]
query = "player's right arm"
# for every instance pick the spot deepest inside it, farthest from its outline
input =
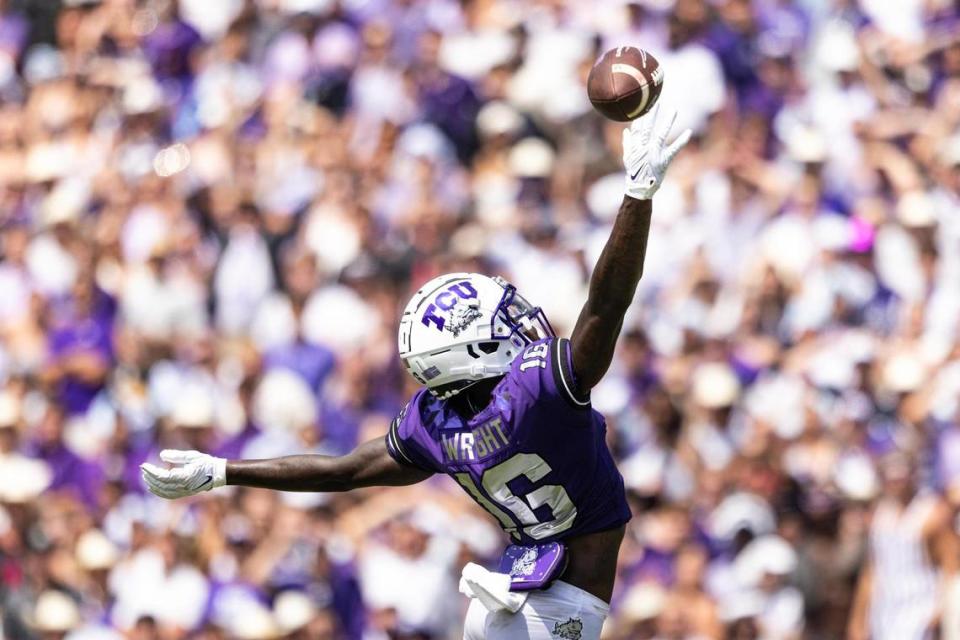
(368, 465)
(613, 284)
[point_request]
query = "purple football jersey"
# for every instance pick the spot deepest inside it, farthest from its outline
(536, 457)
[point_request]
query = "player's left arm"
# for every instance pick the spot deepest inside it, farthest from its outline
(368, 465)
(613, 284)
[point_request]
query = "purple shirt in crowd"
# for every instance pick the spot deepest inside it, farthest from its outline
(90, 333)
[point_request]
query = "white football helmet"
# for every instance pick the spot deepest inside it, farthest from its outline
(463, 327)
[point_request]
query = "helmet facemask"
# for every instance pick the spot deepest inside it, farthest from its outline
(519, 317)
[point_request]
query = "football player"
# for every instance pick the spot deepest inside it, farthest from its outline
(505, 411)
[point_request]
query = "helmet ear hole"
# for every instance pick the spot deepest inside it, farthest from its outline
(489, 347)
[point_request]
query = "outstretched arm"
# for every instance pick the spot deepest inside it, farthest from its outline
(614, 280)
(612, 287)
(368, 465)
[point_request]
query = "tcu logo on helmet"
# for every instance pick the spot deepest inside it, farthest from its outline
(445, 301)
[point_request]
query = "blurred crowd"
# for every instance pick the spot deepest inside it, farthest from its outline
(212, 211)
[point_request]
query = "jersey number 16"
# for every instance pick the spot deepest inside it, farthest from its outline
(494, 481)
(535, 356)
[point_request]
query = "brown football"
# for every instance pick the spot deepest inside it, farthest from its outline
(625, 83)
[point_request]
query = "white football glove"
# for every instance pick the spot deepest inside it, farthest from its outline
(646, 155)
(196, 472)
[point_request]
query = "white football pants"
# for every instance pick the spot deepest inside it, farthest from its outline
(562, 612)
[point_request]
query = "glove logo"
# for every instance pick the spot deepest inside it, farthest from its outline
(205, 483)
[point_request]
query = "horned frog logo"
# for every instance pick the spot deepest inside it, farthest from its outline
(525, 564)
(569, 630)
(461, 317)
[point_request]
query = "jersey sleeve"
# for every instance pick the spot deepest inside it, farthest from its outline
(404, 440)
(545, 370)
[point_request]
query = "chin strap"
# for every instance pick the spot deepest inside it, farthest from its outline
(474, 373)
(452, 392)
